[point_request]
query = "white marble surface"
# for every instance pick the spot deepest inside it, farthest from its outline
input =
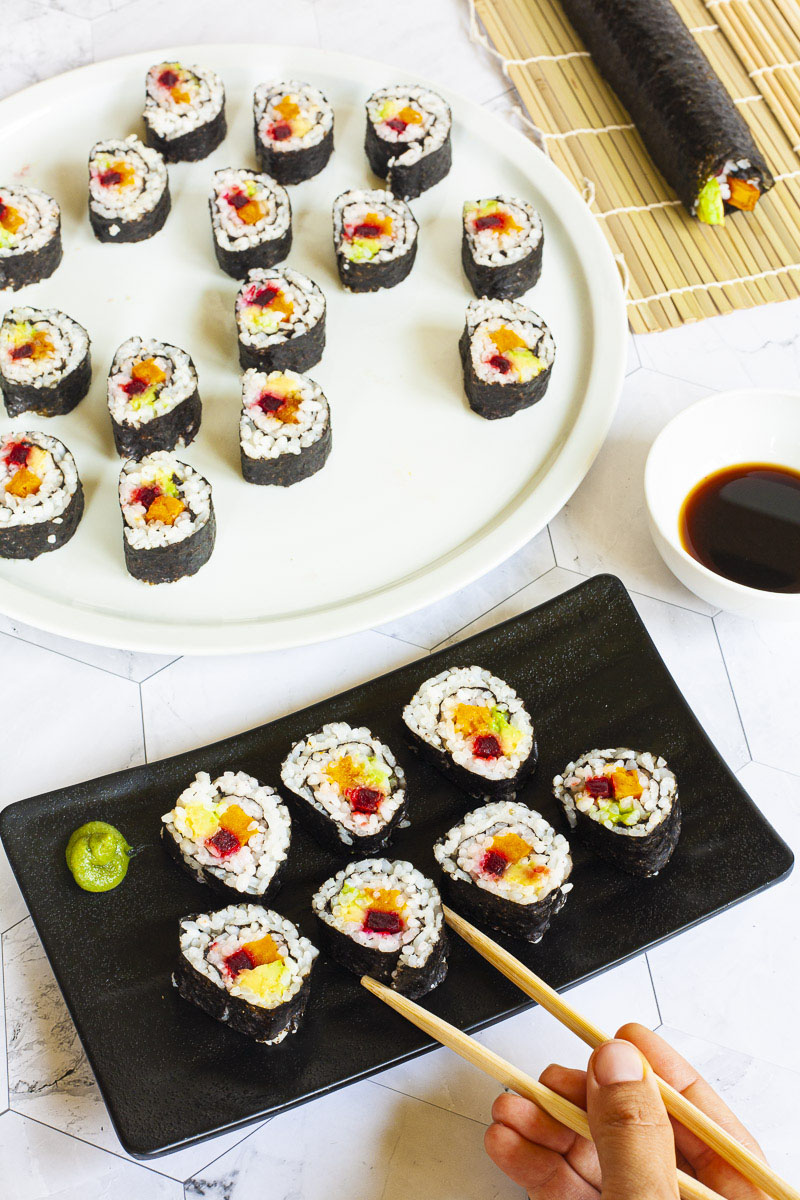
(724, 993)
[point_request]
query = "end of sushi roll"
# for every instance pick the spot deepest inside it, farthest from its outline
(167, 516)
(507, 355)
(45, 362)
(251, 221)
(30, 236)
(129, 197)
(153, 399)
(280, 319)
(41, 498)
(293, 126)
(285, 428)
(375, 239)
(408, 139)
(184, 111)
(501, 247)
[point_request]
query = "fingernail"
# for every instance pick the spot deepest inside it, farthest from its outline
(617, 1062)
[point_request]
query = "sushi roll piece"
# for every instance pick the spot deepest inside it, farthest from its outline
(129, 197)
(184, 111)
(293, 126)
(501, 246)
(384, 919)
(507, 354)
(475, 729)
(408, 139)
(246, 966)
(251, 220)
(284, 429)
(153, 399)
(624, 804)
(232, 833)
(41, 498)
(45, 362)
(352, 787)
(30, 236)
(280, 320)
(167, 517)
(506, 867)
(375, 239)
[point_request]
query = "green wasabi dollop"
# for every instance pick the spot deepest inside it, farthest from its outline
(98, 856)
(710, 205)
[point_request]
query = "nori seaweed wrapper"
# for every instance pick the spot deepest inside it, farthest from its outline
(202, 875)
(406, 181)
(166, 564)
(469, 782)
(31, 266)
(383, 966)
(287, 469)
(179, 426)
(294, 354)
(294, 166)
(370, 276)
(527, 921)
(504, 280)
(686, 118)
(29, 541)
(262, 1024)
(54, 401)
(268, 253)
(637, 855)
(192, 146)
(138, 230)
(495, 400)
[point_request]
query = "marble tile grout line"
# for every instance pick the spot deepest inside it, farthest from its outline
(17, 637)
(421, 1100)
(141, 715)
(733, 690)
(653, 986)
(158, 671)
(5, 1023)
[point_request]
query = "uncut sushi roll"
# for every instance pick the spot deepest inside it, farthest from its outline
(384, 919)
(475, 729)
(375, 239)
(352, 786)
(624, 804)
(45, 362)
(284, 429)
(167, 517)
(232, 833)
(507, 354)
(408, 139)
(293, 125)
(506, 867)
(30, 236)
(129, 197)
(184, 111)
(41, 498)
(501, 246)
(280, 320)
(153, 399)
(246, 966)
(251, 221)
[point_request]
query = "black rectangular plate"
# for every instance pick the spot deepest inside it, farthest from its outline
(590, 676)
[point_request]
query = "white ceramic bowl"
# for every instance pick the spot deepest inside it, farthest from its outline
(750, 425)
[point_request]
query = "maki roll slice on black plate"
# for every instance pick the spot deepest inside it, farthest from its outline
(248, 967)
(506, 867)
(45, 362)
(129, 197)
(507, 355)
(352, 788)
(280, 320)
(501, 246)
(232, 833)
(284, 429)
(293, 126)
(30, 236)
(167, 518)
(41, 498)
(384, 919)
(624, 805)
(251, 221)
(408, 139)
(184, 111)
(475, 729)
(153, 399)
(375, 239)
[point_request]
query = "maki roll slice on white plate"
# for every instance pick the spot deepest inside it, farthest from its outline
(167, 518)
(129, 197)
(184, 111)
(375, 239)
(507, 355)
(251, 221)
(384, 919)
(475, 729)
(293, 126)
(30, 236)
(501, 246)
(41, 498)
(284, 429)
(153, 399)
(352, 788)
(280, 320)
(246, 966)
(623, 804)
(506, 867)
(408, 139)
(45, 362)
(232, 833)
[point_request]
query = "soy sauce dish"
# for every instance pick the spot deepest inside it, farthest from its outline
(722, 486)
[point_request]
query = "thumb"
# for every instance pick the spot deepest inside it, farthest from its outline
(630, 1126)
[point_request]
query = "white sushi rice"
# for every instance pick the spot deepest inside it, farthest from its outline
(416, 140)
(230, 230)
(352, 209)
(69, 340)
(169, 119)
(307, 300)
(263, 435)
(430, 715)
(149, 179)
(58, 486)
(180, 383)
(193, 489)
(313, 108)
(41, 220)
(487, 316)
(494, 248)
(660, 788)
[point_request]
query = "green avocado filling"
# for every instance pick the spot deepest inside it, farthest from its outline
(710, 205)
(362, 249)
(527, 364)
(98, 856)
(622, 812)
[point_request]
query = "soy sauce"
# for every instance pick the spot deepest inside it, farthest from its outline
(744, 523)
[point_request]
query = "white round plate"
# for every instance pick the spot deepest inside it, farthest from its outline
(420, 496)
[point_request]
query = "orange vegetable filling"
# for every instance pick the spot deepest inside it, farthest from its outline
(743, 195)
(472, 719)
(344, 772)
(237, 822)
(386, 900)
(410, 116)
(23, 483)
(148, 371)
(252, 212)
(263, 951)
(626, 783)
(511, 846)
(288, 108)
(10, 218)
(505, 339)
(166, 509)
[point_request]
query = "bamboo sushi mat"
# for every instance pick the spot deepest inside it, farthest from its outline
(674, 268)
